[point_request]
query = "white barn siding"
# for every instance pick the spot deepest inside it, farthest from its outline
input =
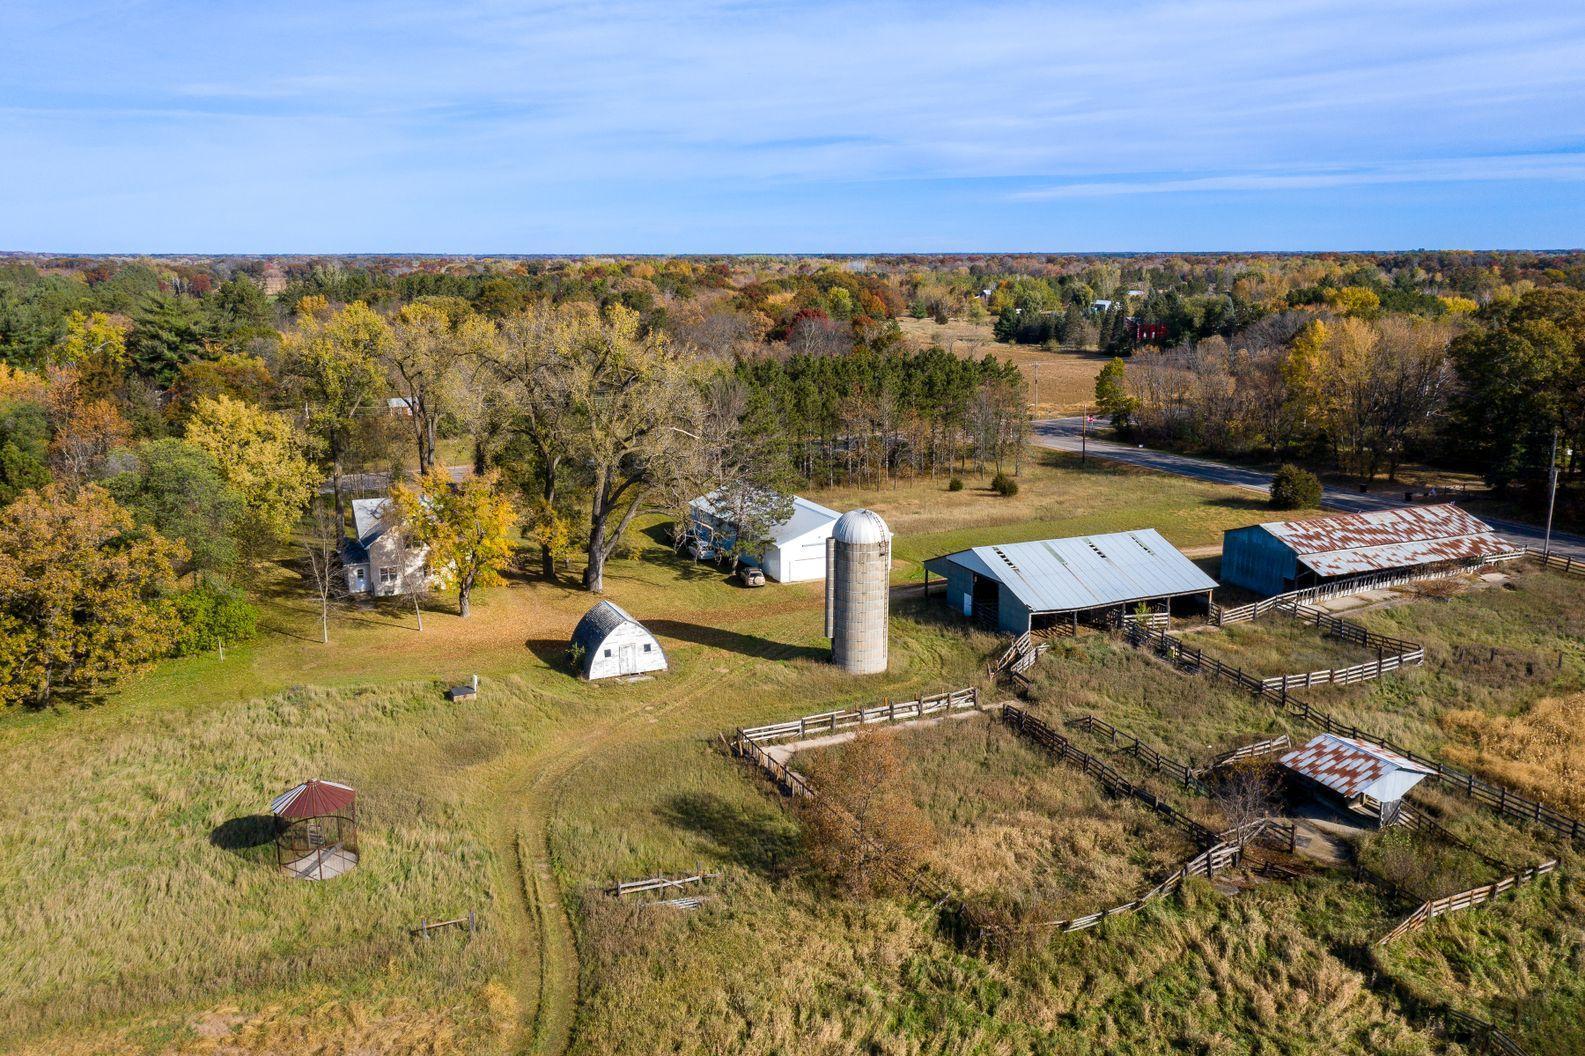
(628, 650)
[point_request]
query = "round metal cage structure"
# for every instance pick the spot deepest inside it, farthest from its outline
(316, 830)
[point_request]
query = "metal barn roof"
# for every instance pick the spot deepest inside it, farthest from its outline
(806, 517)
(1353, 768)
(1351, 543)
(1087, 571)
(314, 799)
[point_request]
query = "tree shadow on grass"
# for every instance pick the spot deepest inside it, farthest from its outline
(734, 641)
(552, 652)
(755, 837)
(248, 835)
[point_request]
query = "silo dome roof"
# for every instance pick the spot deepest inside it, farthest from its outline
(861, 526)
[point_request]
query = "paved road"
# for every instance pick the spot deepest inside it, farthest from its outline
(1064, 434)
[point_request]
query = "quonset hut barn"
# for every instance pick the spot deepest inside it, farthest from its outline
(1280, 556)
(612, 643)
(1018, 587)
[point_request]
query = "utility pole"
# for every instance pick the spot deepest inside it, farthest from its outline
(1037, 388)
(1551, 502)
(1084, 436)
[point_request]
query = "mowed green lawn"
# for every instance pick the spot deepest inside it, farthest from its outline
(137, 897)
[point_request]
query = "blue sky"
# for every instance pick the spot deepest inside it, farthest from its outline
(706, 126)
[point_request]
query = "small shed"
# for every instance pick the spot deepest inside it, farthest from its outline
(1362, 774)
(612, 643)
(797, 550)
(316, 830)
(1018, 587)
(1279, 556)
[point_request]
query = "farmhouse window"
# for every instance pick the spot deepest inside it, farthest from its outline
(388, 576)
(646, 647)
(608, 652)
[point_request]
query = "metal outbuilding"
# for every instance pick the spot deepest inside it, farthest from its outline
(610, 643)
(1280, 556)
(796, 548)
(1017, 587)
(1359, 772)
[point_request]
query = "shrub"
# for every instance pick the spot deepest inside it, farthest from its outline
(1294, 488)
(212, 615)
(1004, 485)
(955, 484)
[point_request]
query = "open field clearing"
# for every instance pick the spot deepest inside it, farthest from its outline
(1059, 382)
(1057, 496)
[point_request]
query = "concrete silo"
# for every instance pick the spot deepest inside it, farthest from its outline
(858, 591)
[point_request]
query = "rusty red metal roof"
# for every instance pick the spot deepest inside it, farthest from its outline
(314, 799)
(1353, 768)
(1351, 543)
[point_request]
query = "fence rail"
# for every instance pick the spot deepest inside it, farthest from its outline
(1359, 584)
(426, 925)
(1571, 566)
(1484, 1033)
(1475, 896)
(1128, 744)
(1279, 743)
(1498, 797)
(658, 883)
(835, 721)
(1048, 738)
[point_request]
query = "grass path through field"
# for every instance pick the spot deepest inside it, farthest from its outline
(523, 840)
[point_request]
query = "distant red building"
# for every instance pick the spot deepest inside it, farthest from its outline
(1146, 333)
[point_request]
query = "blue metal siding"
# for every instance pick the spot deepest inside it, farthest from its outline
(1012, 615)
(1254, 559)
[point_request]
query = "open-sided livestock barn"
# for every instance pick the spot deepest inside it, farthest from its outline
(1280, 556)
(1018, 587)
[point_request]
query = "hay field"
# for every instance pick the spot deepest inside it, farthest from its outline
(1060, 382)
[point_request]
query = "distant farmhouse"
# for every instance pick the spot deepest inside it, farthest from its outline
(1018, 587)
(612, 643)
(797, 550)
(1280, 556)
(378, 562)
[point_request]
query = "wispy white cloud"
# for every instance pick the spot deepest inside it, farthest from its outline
(1569, 166)
(480, 109)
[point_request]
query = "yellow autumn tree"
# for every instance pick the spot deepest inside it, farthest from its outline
(81, 593)
(467, 528)
(262, 456)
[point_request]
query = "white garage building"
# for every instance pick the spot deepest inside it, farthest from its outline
(614, 643)
(797, 551)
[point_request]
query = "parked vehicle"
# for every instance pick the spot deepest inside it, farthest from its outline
(701, 550)
(750, 576)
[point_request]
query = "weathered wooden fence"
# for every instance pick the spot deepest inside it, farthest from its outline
(1128, 744)
(1571, 566)
(1048, 738)
(1499, 798)
(1280, 743)
(426, 925)
(658, 883)
(836, 721)
(1214, 859)
(1487, 1036)
(1359, 585)
(1475, 896)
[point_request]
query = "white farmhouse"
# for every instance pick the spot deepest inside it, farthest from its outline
(797, 550)
(378, 563)
(614, 643)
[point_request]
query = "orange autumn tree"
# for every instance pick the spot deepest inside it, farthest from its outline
(81, 593)
(467, 528)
